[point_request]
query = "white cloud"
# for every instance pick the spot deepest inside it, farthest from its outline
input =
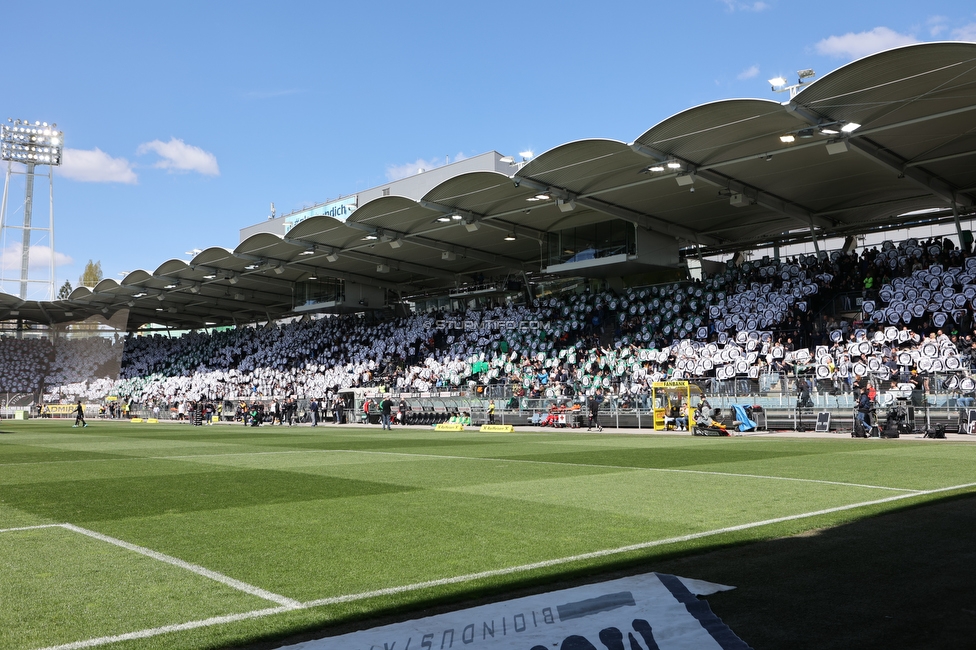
(748, 73)
(396, 172)
(936, 25)
(854, 46)
(181, 157)
(95, 166)
(40, 258)
(735, 5)
(965, 33)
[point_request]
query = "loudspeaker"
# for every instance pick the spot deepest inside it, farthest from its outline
(738, 200)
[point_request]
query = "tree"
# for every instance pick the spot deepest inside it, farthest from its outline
(92, 274)
(64, 291)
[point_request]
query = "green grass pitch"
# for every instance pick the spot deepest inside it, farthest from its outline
(170, 536)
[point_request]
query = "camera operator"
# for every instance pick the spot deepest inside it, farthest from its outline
(803, 393)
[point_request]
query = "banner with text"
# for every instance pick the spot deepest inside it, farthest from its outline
(643, 612)
(340, 210)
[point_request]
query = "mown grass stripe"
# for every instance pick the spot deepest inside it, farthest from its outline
(631, 467)
(478, 458)
(508, 460)
(550, 462)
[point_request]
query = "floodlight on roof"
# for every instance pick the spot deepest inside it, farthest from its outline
(781, 85)
(511, 236)
(836, 147)
(787, 138)
(673, 164)
(526, 154)
(566, 205)
(850, 127)
(444, 219)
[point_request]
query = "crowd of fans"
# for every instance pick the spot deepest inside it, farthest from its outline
(893, 313)
(28, 365)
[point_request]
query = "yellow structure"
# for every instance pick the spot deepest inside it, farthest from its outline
(449, 426)
(497, 428)
(674, 397)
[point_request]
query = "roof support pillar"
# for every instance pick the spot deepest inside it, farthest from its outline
(955, 218)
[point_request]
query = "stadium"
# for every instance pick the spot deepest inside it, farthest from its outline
(364, 422)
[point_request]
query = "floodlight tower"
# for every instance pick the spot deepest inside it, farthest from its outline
(29, 144)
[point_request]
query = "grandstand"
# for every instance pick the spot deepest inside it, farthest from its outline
(595, 264)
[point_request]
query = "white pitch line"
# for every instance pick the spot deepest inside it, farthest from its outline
(195, 568)
(156, 631)
(621, 549)
(260, 613)
(11, 530)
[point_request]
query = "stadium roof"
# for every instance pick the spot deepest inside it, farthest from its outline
(885, 135)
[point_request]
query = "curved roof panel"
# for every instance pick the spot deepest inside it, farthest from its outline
(171, 267)
(135, 277)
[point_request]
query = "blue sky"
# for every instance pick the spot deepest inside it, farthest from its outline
(183, 121)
